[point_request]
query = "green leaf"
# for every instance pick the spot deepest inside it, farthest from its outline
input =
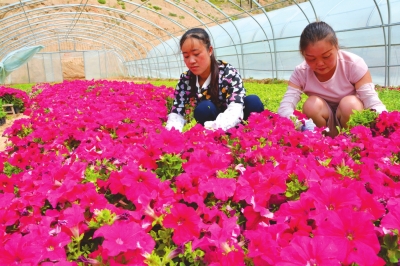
(9, 169)
(294, 188)
(102, 217)
(169, 166)
(364, 118)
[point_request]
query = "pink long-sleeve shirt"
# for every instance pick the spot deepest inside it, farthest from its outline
(350, 69)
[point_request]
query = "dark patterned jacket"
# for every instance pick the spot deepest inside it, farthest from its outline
(230, 89)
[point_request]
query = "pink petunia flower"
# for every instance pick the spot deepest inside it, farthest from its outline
(17, 250)
(304, 250)
(123, 237)
(223, 188)
(75, 222)
(185, 222)
(351, 231)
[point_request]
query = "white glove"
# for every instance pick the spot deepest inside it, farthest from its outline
(308, 125)
(370, 98)
(297, 123)
(289, 102)
(228, 119)
(175, 121)
(210, 125)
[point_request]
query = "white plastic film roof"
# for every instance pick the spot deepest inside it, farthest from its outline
(259, 37)
(266, 45)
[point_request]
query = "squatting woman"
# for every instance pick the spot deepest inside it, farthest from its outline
(336, 82)
(214, 88)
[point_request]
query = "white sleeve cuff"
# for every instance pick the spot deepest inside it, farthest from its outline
(289, 102)
(175, 121)
(370, 98)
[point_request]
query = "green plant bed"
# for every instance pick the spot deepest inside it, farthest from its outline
(3, 114)
(391, 98)
(27, 87)
(270, 92)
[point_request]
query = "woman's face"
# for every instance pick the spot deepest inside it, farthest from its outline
(321, 56)
(197, 57)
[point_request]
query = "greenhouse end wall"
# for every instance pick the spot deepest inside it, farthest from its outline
(56, 67)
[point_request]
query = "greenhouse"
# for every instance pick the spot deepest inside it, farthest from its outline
(91, 39)
(195, 132)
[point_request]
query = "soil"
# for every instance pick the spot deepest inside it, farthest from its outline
(73, 68)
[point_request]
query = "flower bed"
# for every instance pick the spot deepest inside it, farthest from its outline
(93, 177)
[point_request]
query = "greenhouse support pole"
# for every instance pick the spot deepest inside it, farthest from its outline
(237, 30)
(159, 14)
(44, 68)
(212, 37)
(273, 40)
(315, 13)
(148, 68)
(389, 43)
(158, 66)
(27, 19)
(59, 45)
(193, 16)
(29, 76)
(302, 11)
(385, 41)
(52, 68)
(61, 66)
(265, 34)
(105, 59)
(98, 56)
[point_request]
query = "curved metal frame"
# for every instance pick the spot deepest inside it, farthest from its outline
(384, 37)
(89, 25)
(275, 62)
(27, 19)
(240, 37)
(102, 22)
(214, 21)
(64, 19)
(127, 37)
(18, 15)
(45, 35)
(389, 43)
(265, 34)
(195, 17)
(72, 23)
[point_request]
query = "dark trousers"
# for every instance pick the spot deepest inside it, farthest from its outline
(207, 111)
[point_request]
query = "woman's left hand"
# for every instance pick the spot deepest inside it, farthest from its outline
(210, 125)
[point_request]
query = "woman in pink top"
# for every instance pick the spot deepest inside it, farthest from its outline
(335, 81)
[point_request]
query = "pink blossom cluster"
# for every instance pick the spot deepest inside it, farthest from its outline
(23, 96)
(260, 194)
(395, 88)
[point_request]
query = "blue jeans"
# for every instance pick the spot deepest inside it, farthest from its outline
(207, 111)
